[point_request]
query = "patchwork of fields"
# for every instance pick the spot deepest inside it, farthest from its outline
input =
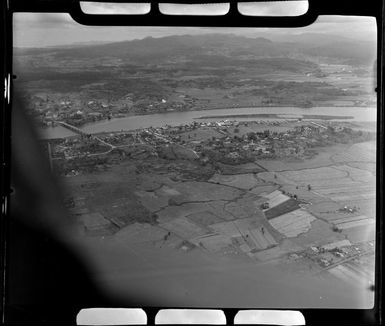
(317, 214)
(337, 183)
(225, 214)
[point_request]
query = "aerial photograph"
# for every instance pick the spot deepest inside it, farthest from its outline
(212, 167)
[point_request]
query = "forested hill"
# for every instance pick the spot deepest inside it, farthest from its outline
(218, 46)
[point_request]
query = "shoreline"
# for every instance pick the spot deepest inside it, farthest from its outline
(175, 118)
(277, 116)
(232, 108)
(220, 108)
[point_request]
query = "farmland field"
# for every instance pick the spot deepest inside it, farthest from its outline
(287, 206)
(155, 210)
(293, 223)
(341, 184)
(361, 152)
(203, 167)
(244, 181)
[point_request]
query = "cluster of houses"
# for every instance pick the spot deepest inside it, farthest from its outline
(75, 147)
(228, 146)
(232, 147)
(75, 112)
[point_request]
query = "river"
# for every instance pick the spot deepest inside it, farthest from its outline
(177, 118)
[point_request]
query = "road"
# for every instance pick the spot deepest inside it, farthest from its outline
(81, 132)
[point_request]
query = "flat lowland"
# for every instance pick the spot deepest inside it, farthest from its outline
(261, 125)
(275, 198)
(356, 272)
(324, 157)
(244, 207)
(370, 126)
(362, 233)
(204, 218)
(221, 227)
(151, 200)
(243, 181)
(281, 209)
(318, 175)
(339, 176)
(293, 223)
(327, 210)
(283, 183)
(331, 189)
(248, 234)
(319, 234)
(184, 195)
(140, 233)
(216, 208)
(368, 166)
(363, 154)
(153, 275)
(339, 183)
(285, 247)
(205, 191)
(109, 193)
(342, 184)
(184, 228)
(227, 169)
(184, 236)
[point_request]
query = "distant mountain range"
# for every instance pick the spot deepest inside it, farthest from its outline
(188, 47)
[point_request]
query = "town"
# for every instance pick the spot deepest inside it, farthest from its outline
(210, 167)
(214, 186)
(217, 143)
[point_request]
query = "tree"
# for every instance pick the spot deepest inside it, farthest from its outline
(309, 187)
(251, 135)
(172, 202)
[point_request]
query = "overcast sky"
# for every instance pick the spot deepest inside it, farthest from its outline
(48, 29)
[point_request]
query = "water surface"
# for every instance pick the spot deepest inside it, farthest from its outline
(178, 118)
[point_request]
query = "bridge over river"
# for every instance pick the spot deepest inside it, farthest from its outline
(83, 133)
(72, 128)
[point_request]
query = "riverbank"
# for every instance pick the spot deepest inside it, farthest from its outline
(180, 118)
(277, 116)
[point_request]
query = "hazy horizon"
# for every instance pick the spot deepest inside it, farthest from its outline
(41, 30)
